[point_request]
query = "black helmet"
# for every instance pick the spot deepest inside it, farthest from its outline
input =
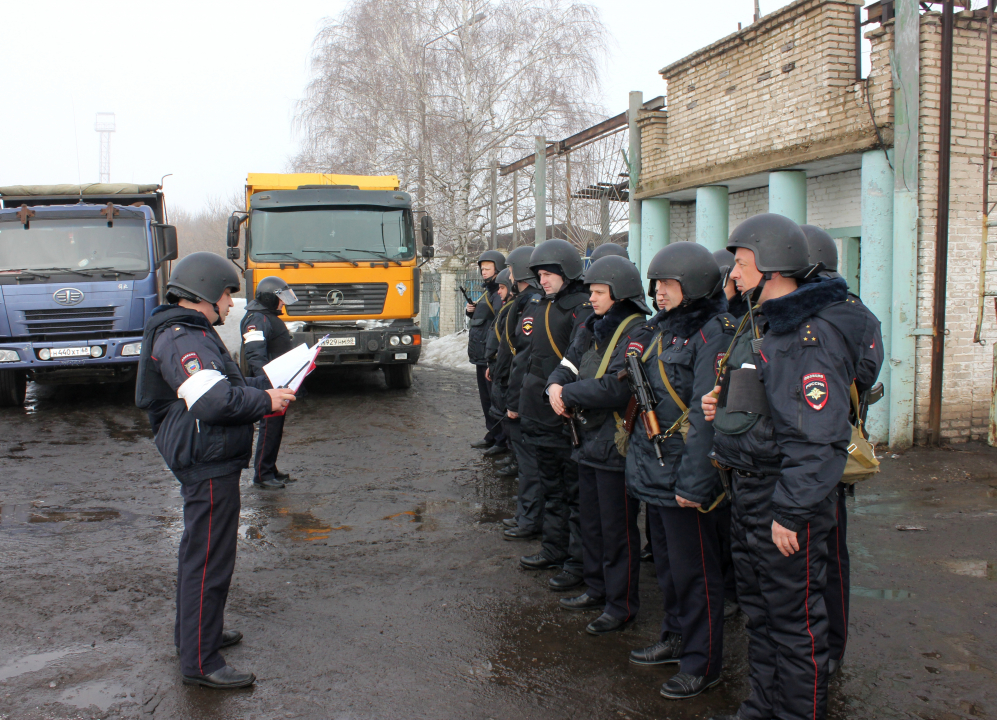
(519, 261)
(822, 249)
(691, 264)
(725, 260)
(559, 253)
(621, 275)
(608, 249)
(203, 276)
(271, 289)
(778, 243)
(504, 278)
(493, 256)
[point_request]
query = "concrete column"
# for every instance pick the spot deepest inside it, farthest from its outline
(788, 194)
(876, 271)
(905, 212)
(634, 238)
(540, 192)
(712, 217)
(656, 217)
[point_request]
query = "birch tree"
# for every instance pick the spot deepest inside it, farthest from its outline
(435, 90)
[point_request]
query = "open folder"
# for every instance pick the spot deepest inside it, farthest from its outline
(290, 369)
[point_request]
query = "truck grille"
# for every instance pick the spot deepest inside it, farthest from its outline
(69, 320)
(339, 299)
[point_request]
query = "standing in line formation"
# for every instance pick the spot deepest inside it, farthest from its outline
(730, 415)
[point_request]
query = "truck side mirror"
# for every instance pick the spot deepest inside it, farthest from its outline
(428, 252)
(426, 227)
(232, 237)
(166, 242)
(232, 253)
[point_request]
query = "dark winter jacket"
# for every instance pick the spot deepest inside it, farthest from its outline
(520, 363)
(737, 306)
(481, 323)
(201, 408)
(551, 322)
(599, 403)
(499, 356)
(817, 343)
(264, 337)
(685, 344)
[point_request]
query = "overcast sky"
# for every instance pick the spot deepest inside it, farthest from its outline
(206, 90)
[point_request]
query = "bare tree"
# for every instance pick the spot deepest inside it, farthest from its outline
(434, 90)
(205, 229)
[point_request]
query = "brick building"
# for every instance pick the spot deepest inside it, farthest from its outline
(778, 117)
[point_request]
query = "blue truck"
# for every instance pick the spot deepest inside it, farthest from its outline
(81, 269)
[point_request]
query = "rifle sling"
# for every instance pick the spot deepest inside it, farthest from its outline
(620, 329)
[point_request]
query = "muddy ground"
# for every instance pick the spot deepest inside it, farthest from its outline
(378, 586)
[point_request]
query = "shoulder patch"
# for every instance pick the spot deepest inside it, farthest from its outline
(536, 299)
(587, 304)
(808, 334)
(716, 363)
(634, 349)
(815, 390)
(527, 325)
(191, 363)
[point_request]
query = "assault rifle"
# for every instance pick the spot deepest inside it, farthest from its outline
(644, 402)
(571, 422)
(466, 296)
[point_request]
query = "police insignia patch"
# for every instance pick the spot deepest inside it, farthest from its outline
(191, 363)
(815, 390)
(634, 349)
(527, 325)
(716, 363)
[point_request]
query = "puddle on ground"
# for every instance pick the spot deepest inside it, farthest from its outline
(434, 514)
(32, 663)
(13, 515)
(100, 694)
(972, 568)
(881, 593)
(303, 525)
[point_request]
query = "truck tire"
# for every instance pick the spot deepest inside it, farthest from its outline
(398, 377)
(13, 386)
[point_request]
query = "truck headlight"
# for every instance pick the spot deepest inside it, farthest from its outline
(44, 354)
(96, 351)
(131, 349)
(9, 356)
(406, 339)
(393, 340)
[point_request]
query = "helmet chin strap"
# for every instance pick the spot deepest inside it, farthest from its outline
(218, 313)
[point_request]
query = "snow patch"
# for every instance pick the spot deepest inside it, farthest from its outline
(449, 351)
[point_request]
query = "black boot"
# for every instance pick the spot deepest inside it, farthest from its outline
(663, 652)
(496, 450)
(269, 484)
(518, 533)
(683, 686)
(283, 477)
(510, 522)
(537, 562)
(482, 444)
(582, 602)
(564, 581)
(225, 678)
(606, 623)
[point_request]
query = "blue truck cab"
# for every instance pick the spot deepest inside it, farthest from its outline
(81, 270)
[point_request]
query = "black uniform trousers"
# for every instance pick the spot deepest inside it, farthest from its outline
(839, 586)
(783, 599)
(268, 439)
(494, 427)
(686, 550)
(610, 539)
(561, 536)
(723, 512)
(530, 500)
(204, 571)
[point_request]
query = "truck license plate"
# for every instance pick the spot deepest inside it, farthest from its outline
(70, 352)
(339, 342)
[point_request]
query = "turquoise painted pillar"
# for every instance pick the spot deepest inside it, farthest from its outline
(876, 271)
(635, 207)
(788, 194)
(656, 221)
(905, 211)
(712, 217)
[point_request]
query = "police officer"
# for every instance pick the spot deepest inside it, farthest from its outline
(202, 412)
(679, 348)
(482, 314)
(781, 420)
(736, 304)
(551, 321)
(265, 337)
(497, 351)
(530, 500)
(823, 250)
(585, 389)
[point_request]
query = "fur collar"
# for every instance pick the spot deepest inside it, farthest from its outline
(603, 326)
(686, 320)
(784, 314)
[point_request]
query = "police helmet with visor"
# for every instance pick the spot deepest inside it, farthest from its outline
(778, 243)
(493, 256)
(557, 256)
(607, 249)
(822, 250)
(272, 289)
(202, 276)
(622, 277)
(691, 265)
(519, 261)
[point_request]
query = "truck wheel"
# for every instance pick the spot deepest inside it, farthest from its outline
(398, 377)
(13, 386)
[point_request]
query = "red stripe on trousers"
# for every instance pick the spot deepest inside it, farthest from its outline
(841, 582)
(806, 609)
(626, 509)
(702, 554)
(207, 553)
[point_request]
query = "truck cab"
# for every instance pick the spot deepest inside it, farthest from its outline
(347, 247)
(81, 269)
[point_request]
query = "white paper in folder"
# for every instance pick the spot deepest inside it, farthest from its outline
(290, 369)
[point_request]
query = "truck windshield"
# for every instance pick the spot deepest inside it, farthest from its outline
(322, 234)
(74, 245)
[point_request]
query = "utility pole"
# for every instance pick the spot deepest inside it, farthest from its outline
(515, 210)
(493, 241)
(633, 244)
(540, 191)
(105, 125)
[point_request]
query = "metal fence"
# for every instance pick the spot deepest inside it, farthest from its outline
(429, 303)
(470, 280)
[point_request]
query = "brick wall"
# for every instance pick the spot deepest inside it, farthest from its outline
(835, 201)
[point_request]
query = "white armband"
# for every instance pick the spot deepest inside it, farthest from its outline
(253, 336)
(197, 384)
(568, 364)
